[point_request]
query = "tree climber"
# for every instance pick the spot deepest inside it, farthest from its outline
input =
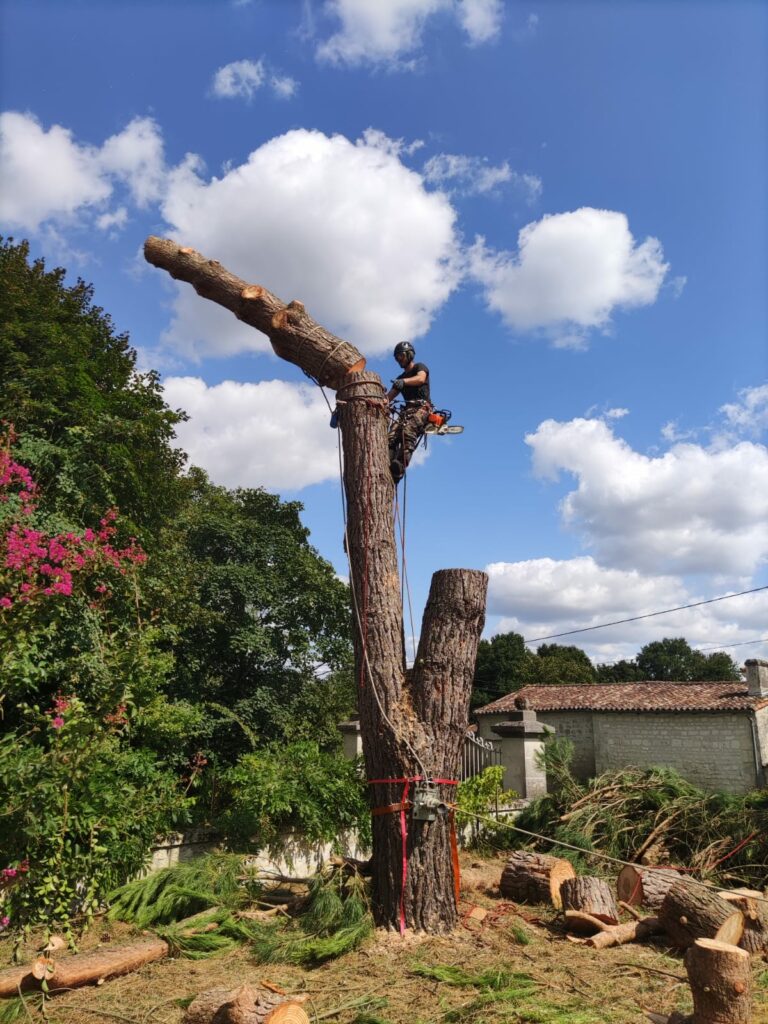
(407, 428)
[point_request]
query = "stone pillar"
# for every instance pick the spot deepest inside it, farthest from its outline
(522, 737)
(757, 677)
(352, 740)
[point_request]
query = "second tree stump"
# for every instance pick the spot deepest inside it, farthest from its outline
(691, 912)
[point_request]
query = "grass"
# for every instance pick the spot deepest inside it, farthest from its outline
(480, 974)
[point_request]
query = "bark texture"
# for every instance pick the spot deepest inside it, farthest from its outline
(691, 912)
(412, 723)
(645, 887)
(629, 931)
(84, 968)
(720, 980)
(535, 878)
(592, 896)
(246, 1005)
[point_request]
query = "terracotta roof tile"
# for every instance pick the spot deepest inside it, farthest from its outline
(646, 696)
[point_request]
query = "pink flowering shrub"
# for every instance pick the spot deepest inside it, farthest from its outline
(70, 602)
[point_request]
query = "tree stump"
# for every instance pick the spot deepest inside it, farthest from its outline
(691, 912)
(535, 878)
(246, 1005)
(591, 896)
(754, 907)
(719, 976)
(645, 887)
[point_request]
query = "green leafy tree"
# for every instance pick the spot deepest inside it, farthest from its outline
(560, 664)
(623, 671)
(500, 667)
(94, 431)
(672, 659)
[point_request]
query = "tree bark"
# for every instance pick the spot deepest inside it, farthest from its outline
(629, 931)
(592, 896)
(246, 1005)
(720, 980)
(84, 968)
(412, 723)
(535, 878)
(645, 887)
(691, 912)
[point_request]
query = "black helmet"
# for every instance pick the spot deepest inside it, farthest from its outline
(404, 348)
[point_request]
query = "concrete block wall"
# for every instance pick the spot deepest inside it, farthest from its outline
(714, 751)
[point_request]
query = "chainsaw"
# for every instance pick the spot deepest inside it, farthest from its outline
(438, 423)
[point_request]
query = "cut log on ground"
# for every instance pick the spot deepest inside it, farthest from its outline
(692, 911)
(592, 896)
(246, 1005)
(611, 934)
(84, 968)
(645, 887)
(535, 878)
(754, 907)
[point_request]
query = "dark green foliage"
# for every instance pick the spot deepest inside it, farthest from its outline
(95, 432)
(673, 659)
(167, 896)
(500, 667)
(336, 920)
(619, 672)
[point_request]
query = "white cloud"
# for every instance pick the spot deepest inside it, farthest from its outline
(283, 86)
(616, 414)
(135, 156)
(344, 227)
(378, 32)
(544, 596)
(113, 221)
(239, 78)
(569, 273)
(45, 174)
(271, 434)
(750, 414)
(692, 509)
(481, 19)
(473, 175)
(49, 176)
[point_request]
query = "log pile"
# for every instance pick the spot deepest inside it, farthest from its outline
(535, 878)
(753, 906)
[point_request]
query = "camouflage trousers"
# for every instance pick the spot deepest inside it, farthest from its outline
(405, 432)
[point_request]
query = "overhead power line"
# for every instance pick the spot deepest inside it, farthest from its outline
(647, 615)
(725, 647)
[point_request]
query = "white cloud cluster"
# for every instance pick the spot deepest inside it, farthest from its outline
(343, 226)
(243, 78)
(543, 596)
(48, 175)
(690, 510)
(378, 32)
(271, 434)
(473, 175)
(569, 273)
(750, 414)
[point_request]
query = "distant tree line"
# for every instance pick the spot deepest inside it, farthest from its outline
(505, 664)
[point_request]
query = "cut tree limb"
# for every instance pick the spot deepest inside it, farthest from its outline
(535, 878)
(692, 911)
(246, 1005)
(629, 931)
(85, 968)
(591, 895)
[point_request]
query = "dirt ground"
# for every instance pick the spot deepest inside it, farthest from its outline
(571, 984)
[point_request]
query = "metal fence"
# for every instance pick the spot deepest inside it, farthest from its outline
(478, 754)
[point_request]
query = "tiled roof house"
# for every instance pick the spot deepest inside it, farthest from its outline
(715, 734)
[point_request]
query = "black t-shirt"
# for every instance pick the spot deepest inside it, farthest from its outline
(418, 392)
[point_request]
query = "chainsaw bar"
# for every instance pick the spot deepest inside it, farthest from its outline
(432, 428)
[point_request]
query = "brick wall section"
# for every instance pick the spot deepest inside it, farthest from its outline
(714, 751)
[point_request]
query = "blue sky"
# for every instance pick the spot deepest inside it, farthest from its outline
(563, 205)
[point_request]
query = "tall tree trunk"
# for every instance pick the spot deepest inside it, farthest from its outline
(412, 723)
